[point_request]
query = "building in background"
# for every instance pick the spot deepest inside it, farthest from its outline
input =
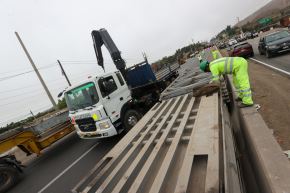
(285, 21)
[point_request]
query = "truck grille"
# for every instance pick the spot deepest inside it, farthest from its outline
(86, 124)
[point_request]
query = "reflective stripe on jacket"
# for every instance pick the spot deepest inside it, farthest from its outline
(226, 65)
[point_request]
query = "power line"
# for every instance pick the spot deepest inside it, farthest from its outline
(40, 68)
(12, 116)
(52, 81)
(17, 101)
(15, 75)
(12, 71)
(65, 62)
(23, 93)
(25, 115)
(23, 73)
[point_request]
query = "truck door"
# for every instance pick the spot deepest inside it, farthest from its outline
(115, 94)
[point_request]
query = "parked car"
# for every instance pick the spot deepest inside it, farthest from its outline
(222, 45)
(255, 34)
(241, 50)
(232, 42)
(249, 35)
(275, 43)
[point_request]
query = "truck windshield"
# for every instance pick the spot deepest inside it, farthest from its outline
(81, 97)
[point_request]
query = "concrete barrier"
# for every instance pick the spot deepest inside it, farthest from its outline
(265, 168)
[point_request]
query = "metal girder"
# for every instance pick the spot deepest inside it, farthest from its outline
(190, 78)
(173, 148)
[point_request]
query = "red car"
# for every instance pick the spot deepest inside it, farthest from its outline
(243, 49)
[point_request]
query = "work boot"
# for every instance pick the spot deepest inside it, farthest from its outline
(242, 105)
(238, 99)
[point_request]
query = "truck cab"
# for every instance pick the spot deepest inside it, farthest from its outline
(95, 106)
(104, 106)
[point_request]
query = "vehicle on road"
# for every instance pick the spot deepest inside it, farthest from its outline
(243, 49)
(275, 43)
(232, 42)
(221, 45)
(104, 106)
(249, 35)
(255, 34)
(31, 139)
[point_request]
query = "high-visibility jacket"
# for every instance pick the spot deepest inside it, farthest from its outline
(239, 68)
(215, 54)
(222, 66)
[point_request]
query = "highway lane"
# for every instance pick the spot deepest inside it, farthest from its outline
(280, 61)
(61, 166)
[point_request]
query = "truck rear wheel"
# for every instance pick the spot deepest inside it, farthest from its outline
(9, 175)
(130, 118)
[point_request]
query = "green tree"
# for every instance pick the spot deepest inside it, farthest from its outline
(61, 104)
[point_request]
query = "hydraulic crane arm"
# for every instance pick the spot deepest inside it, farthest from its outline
(101, 37)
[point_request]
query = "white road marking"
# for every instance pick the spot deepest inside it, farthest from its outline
(268, 65)
(66, 169)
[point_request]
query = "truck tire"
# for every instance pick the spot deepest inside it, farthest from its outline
(130, 118)
(9, 176)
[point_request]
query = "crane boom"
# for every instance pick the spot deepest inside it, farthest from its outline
(101, 37)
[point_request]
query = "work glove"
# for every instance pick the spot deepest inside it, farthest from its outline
(206, 90)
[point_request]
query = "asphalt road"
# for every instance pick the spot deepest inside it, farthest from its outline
(280, 61)
(62, 166)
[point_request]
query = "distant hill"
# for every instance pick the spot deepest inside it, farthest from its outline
(272, 7)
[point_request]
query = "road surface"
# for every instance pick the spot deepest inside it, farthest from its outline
(60, 167)
(281, 61)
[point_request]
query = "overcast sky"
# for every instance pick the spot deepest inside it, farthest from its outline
(60, 29)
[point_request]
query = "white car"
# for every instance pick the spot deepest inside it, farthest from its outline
(232, 42)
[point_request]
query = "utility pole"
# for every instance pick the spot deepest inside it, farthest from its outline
(37, 72)
(192, 45)
(63, 72)
(32, 115)
(240, 27)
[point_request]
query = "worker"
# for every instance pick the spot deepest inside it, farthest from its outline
(215, 54)
(239, 68)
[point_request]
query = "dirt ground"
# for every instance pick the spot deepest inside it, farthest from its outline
(271, 90)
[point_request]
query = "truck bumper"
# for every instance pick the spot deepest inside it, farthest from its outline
(99, 133)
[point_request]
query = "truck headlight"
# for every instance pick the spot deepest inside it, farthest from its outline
(104, 125)
(273, 47)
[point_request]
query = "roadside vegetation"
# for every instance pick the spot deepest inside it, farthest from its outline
(19, 124)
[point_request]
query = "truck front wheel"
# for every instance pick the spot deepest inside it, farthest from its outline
(9, 175)
(130, 118)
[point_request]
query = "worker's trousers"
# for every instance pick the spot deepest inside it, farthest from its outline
(242, 83)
